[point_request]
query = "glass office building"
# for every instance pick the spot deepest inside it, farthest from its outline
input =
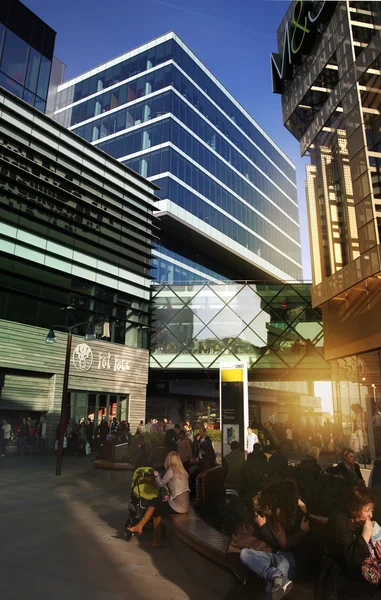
(227, 201)
(26, 53)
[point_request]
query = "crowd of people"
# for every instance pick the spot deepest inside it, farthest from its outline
(27, 435)
(327, 437)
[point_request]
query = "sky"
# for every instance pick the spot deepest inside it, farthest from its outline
(233, 39)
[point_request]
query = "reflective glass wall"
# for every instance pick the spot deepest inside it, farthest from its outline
(275, 329)
(158, 110)
(26, 53)
(270, 326)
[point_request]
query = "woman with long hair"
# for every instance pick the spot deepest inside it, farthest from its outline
(175, 480)
(281, 521)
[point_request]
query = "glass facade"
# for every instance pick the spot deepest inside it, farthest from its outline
(162, 113)
(26, 53)
(75, 231)
(272, 327)
(36, 295)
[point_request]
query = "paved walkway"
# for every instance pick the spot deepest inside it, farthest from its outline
(62, 538)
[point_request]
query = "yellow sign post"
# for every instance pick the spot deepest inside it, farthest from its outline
(234, 404)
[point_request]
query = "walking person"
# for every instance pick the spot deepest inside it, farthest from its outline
(5, 437)
(41, 435)
(24, 434)
(251, 440)
(175, 480)
(82, 439)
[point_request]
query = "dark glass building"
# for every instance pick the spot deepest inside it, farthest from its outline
(76, 233)
(26, 53)
(227, 201)
(331, 87)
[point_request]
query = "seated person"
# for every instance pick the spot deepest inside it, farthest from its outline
(233, 463)
(281, 522)
(184, 449)
(347, 538)
(105, 451)
(347, 468)
(140, 451)
(310, 464)
(277, 460)
(202, 439)
(257, 456)
(204, 461)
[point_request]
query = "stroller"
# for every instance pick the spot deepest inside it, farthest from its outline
(143, 490)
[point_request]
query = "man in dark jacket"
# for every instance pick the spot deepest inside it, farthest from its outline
(310, 464)
(257, 457)
(204, 441)
(233, 463)
(170, 439)
(277, 460)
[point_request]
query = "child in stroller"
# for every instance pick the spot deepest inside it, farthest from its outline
(143, 490)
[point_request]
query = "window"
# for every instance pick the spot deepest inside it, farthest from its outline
(15, 57)
(43, 79)
(33, 67)
(11, 85)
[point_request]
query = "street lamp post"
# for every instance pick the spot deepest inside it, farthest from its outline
(50, 339)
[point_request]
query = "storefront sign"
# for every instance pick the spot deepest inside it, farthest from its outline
(299, 36)
(83, 359)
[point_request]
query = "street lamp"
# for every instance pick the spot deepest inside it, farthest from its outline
(51, 339)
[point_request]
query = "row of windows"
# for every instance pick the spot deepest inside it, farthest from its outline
(159, 54)
(204, 211)
(128, 92)
(35, 296)
(166, 272)
(164, 131)
(23, 64)
(141, 112)
(161, 161)
(171, 103)
(20, 92)
(96, 240)
(222, 223)
(187, 261)
(120, 72)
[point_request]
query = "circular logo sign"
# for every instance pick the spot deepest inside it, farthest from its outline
(82, 357)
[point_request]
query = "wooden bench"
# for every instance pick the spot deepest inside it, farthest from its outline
(113, 471)
(203, 551)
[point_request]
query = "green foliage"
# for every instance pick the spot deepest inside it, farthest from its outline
(152, 438)
(214, 434)
(155, 439)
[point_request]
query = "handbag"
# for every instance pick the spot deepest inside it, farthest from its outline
(371, 568)
(88, 448)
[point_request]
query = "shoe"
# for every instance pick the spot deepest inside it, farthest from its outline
(281, 587)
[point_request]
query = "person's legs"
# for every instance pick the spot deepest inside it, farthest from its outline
(3, 449)
(261, 563)
(273, 568)
(20, 443)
